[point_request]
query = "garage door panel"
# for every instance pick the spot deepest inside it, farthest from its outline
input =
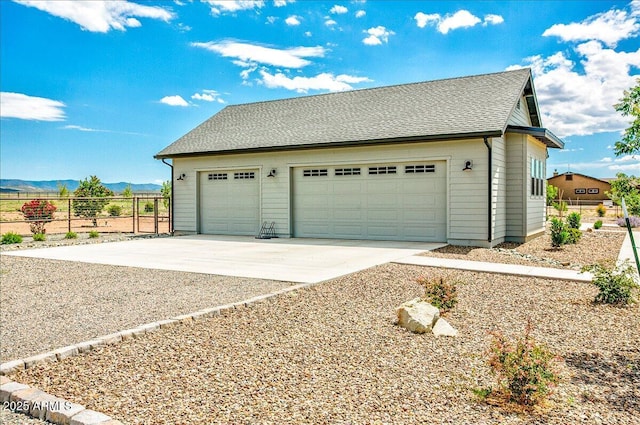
(389, 206)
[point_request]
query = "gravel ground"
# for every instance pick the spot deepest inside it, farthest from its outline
(47, 304)
(331, 354)
(594, 247)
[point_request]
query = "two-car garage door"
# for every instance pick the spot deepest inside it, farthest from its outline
(391, 201)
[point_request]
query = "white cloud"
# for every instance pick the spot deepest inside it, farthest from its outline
(324, 81)
(308, 33)
(271, 19)
(219, 7)
(292, 20)
(85, 129)
(174, 101)
(338, 10)
(360, 13)
(279, 3)
(626, 164)
(609, 27)
(330, 22)
(460, 19)
(24, 107)
(208, 96)
(249, 54)
(377, 35)
(100, 16)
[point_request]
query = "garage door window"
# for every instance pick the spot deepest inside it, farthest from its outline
(347, 171)
(244, 175)
(423, 168)
(382, 170)
(217, 176)
(317, 172)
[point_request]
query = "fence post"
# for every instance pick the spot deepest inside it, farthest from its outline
(69, 214)
(133, 215)
(155, 214)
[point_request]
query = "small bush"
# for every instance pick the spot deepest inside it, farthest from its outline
(114, 210)
(94, 234)
(39, 237)
(601, 210)
(440, 293)
(574, 235)
(616, 285)
(633, 221)
(11, 237)
(71, 235)
(38, 212)
(559, 233)
(148, 207)
(560, 206)
(597, 224)
(526, 371)
(573, 220)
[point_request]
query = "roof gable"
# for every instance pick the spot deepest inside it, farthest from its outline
(450, 108)
(563, 177)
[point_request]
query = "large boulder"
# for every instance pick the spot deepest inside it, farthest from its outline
(417, 315)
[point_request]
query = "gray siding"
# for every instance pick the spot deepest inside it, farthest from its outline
(535, 204)
(520, 115)
(516, 187)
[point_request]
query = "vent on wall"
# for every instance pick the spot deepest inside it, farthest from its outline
(316, 172)
(347, 171)
(244, 175)
(423, 168)
(217, 176)
(382, 170)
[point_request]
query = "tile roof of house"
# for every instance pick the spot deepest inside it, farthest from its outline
(442, 109)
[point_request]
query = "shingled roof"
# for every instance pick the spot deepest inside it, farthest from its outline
(472, 106)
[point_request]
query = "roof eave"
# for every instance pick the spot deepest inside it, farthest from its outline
(347, 143)
(542, 134)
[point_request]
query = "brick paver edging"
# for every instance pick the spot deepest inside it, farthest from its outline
(34, 402)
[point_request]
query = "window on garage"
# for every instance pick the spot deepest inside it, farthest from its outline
(580, 191)
(423, 168)
(315, 172)
(390, 169)
(217, 176)
(593, 191)
(244, 175)
(347, 171)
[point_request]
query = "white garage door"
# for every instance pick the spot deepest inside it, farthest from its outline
(396, 201)
(230, 202)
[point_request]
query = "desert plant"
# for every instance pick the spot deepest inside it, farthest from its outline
(11, 237)
(127, 192)
(616, 285)
(573, 220)
(39, 237)
(94, 234)
(94, 197)
(633, 221)
(148, 207)
(561, 206)
(166, 193)
(559, 233)
(526, 371)
(38, 212)
(552, 194)
(440, 293)
(71, 235)
(573, 235)
(597, 224)
(626, 187)
(114, 210)
(601, 210)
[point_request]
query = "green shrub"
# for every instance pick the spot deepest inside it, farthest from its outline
(601, 210)
(616, 285)
(440, 293)
(560, 206)
(39, 237)
(114, 210)
(574, 235)
(148, 207)
(38, 212)
(11, 237)
(559, 233)
(94, 234)
(526, 371)
(71, 235)
(573, 220)
(597, 224)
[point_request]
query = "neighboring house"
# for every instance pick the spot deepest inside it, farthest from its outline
(579, 187)
(459, 160)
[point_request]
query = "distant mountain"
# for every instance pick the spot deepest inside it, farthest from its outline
(15, 185)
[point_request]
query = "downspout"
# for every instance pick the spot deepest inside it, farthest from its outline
(170, 200)
(489, 188)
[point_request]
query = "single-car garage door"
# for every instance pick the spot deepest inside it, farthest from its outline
(230, 202)
(395, 201)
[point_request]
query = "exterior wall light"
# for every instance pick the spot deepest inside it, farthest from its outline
(272, 173)
(468, 165)
(182, 177)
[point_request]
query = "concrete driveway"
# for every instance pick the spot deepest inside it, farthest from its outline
(290, 260)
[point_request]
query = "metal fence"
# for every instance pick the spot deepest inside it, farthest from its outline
(137, 214)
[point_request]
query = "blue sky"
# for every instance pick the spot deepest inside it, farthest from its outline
(98, 88)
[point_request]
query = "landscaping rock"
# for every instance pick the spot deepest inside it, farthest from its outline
(443, 328)
(417, 315)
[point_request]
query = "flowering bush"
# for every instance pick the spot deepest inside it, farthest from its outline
(633, 221)
(38, 212)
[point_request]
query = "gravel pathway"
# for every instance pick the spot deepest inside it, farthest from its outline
(331, 354)
(47, 304)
